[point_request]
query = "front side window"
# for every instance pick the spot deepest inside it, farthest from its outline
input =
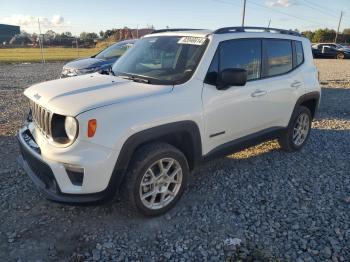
(114, 51)
(239, 53)
(299, 53)
(242, 53)
(279, 57)
(162, 59)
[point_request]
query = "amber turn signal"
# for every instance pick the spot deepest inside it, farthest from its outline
(92, 126)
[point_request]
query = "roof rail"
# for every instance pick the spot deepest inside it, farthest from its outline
(173, 30)
(238, 29)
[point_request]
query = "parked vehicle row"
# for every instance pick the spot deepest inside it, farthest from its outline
(330, 50)
(174, 100)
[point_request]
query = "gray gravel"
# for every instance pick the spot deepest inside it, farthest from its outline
(260, 204)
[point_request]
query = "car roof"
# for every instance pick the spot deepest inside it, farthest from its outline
(327, 44)
(261, 31)
(185, 32)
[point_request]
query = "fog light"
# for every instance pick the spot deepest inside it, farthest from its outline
(75, 174)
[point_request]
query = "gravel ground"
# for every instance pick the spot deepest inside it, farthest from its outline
(260, 204)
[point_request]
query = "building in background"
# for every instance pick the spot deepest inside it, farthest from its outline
(7, 32)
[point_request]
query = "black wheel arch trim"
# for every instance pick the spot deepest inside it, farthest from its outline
(149, 135)
(315, 95)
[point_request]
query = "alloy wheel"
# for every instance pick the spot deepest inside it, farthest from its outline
(161, 183)
(301, 129)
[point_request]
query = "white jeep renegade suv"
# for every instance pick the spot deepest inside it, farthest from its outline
(177, 98)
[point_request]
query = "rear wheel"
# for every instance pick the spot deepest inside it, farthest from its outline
(340, 56)
(298, 130)
(156, 179)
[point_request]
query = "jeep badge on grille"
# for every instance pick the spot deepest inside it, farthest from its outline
(37, 96)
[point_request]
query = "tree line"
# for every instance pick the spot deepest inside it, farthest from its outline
(327, 35)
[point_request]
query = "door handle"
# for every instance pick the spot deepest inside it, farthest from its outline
(258, 93)
(296, 84)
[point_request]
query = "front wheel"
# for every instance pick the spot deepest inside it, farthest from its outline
(298, 130)
(156, 179)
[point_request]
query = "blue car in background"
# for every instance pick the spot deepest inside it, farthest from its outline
(99, 62)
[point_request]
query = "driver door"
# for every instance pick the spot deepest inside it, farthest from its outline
(329, 51)
(236, 112)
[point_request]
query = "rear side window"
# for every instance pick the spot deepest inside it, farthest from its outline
(299, 53)
(241, 53)
(279, 57)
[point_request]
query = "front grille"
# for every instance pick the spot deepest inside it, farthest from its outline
(42, 118)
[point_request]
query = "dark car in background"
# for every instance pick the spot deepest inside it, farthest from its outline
(330, 50)
(99, 62)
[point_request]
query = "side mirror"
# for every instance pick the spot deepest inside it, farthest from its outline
(231, 77)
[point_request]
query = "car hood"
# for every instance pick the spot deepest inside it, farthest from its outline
(74, 95)
(88, 63)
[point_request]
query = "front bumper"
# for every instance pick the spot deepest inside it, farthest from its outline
(43, 176)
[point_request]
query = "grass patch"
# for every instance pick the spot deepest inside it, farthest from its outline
(21, 55)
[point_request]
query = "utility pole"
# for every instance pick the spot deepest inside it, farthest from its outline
(243, 13)
(41, 45)
(77, 45)
(336, 35)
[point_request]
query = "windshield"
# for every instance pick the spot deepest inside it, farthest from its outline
(342, 46)
(114, 51)
(162, 60)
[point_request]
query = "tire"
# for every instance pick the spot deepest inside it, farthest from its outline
(340, 56)
(286, 140)
(145, 167)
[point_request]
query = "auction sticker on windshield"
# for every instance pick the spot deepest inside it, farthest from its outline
(190, 40)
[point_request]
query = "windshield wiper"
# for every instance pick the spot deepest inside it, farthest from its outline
(135, 79)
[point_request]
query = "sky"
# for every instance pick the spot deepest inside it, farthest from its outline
(93, 16)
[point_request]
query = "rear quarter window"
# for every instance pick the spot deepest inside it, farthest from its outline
(299, 53)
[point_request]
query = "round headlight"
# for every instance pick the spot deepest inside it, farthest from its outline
(71, 127)
(87, 70)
